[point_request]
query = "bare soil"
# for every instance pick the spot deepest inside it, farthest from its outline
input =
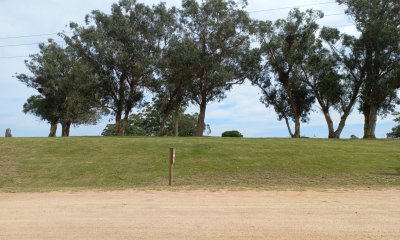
(201, 215)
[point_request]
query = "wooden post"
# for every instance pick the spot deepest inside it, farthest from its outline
(171, 164)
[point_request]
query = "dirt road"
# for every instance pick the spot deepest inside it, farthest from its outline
(201, 215)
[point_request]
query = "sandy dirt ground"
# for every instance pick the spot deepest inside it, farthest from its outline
(201, 215)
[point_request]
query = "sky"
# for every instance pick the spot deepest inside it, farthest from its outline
(241, 110)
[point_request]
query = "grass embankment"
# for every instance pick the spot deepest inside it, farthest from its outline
(75, 163)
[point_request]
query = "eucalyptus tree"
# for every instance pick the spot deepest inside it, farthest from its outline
(219, 32)
(332, 75)
(122, 47)
(378, 22)
(65, 91)
(284, 46)
(175, 79)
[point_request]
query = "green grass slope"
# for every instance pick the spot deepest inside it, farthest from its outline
(76, 163)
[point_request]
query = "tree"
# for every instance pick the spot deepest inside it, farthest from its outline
(396, 130)
(66, 91)
(122, 47)
(175, 80)
(146, 123)
(332, 75)
(219, 30)
(45, 109)
(284, 46)
(378, 22)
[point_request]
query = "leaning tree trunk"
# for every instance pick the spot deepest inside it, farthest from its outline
(53, 128)
(285, 81)
(342, 123)
(370, 118)
(331, 130)
(332, 133)
(202, 115)
(288, 126)
(296, 133)
(329, 123)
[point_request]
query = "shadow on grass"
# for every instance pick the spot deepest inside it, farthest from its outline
(397, 173)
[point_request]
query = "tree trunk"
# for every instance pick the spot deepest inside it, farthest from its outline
(325, 111)
(65, 128)
(166, 114)
(68, 128)
(176, 128)
(339, 129)
(288, 126)
(342, 122)
(53, 128)
(370, 118)
(297, 128)
(123, 124)
(119, 125)
(201, 118)
(329, 123)
(161, 131)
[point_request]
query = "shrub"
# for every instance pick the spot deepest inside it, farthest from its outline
(353, 137)
(233, 133)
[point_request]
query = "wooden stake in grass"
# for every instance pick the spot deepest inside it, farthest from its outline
(171, 164)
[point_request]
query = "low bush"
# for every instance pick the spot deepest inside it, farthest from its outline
(233, 133)
(353, 137)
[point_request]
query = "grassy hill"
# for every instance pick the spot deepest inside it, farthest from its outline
(75, 163)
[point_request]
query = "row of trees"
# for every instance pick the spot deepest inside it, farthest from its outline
(147, 123)
(197, 53)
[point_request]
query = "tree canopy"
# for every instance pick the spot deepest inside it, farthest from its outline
(378, 22)
(284, 46)
(66, 90)
(122, 47)
(219, 31)
(115, 62)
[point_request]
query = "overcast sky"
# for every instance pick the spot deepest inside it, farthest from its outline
(241, 110)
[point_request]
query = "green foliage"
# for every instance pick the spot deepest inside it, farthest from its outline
(353, 137)
(67, 94)
(40, 107)
(147, 123)
(331, 75)
(378, 22)
(395, 133)
(219, 31)
(232, 133)
(175, 79)
(285, 45)
(122, 47)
